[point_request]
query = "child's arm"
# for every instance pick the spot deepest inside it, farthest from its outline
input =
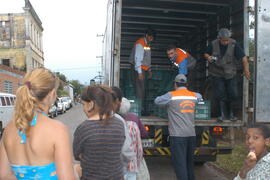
(249, 164)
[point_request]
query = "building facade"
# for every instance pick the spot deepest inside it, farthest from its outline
(69, 89)
(10, 79)
(21, 39)
(20, 47)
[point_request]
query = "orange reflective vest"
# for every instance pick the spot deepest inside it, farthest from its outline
(181, 55)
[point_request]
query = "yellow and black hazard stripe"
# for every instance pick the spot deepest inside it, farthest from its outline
(205, 137)
(163, 151)
(214, 153)
(147, 152)
(158, 136)
(196, 152)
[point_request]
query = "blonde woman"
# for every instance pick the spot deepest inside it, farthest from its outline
(34, 146)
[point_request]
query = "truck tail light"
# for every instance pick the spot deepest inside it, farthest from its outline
(147, 128)
(217, 130)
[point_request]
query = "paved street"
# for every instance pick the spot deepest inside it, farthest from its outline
(160, 167)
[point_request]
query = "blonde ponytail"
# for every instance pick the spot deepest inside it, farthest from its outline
(24, 108)
(37, 85)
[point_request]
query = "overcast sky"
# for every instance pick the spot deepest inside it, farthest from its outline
(70, 41)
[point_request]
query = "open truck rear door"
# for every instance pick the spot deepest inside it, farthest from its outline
(262, 62)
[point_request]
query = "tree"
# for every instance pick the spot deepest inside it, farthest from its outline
(61, 77)
(77, 86)
(251, 48)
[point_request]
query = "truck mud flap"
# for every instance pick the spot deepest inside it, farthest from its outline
(212, 150)
(199, 151)
(157, 151)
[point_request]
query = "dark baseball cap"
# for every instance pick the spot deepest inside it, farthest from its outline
(180, 78)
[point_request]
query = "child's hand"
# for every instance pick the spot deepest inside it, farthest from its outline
(249, 163)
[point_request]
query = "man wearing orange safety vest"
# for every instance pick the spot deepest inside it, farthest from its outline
(181, 109)
(140, 58)
(179, 58)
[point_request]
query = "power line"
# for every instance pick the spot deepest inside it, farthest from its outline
(78, 68)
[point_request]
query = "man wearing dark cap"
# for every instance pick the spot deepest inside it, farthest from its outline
(222, 55)
(140, 58)
(181, 108)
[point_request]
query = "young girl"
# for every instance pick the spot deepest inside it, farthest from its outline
(98, 140)
(257, 163)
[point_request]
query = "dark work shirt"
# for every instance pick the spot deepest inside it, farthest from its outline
(98, 148)
(238, 51)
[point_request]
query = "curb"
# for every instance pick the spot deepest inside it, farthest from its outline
(228, 174)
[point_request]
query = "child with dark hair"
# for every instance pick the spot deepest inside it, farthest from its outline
(98, 141)
(257, 163)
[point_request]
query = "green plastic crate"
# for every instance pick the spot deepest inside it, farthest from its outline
(135, 106)
(203, 110)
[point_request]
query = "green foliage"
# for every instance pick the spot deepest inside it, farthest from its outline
(251, 48)
(61, 92)
(77, 86)
(61, 76)
(233, 162)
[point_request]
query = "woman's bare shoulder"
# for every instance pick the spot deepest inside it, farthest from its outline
(10, 127)
(55, 125)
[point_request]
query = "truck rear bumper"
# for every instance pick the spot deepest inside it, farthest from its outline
(157, 121)
(199, 151)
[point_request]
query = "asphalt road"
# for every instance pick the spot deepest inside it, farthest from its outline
(160, 168)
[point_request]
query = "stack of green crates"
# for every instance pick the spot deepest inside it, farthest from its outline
(160, 83)
(203, 110)
(163, 112)
(126, 84)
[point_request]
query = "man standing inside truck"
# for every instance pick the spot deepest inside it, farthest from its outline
(140, 58)
(179, 58)
(222, 55)
(181, 108)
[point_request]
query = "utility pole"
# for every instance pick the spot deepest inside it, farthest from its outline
(98, 78)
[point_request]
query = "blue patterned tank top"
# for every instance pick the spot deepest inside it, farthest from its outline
(44, 172)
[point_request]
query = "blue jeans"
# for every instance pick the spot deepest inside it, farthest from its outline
(182, 149)
(183, 67)
(225, 89)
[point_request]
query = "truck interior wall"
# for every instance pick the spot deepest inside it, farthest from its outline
(191, 25)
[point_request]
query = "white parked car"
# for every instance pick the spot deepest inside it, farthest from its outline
(53, 112)
(66, 102)
(61, 107)
(7, 102)
(69, 101)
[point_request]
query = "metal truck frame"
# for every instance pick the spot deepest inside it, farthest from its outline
(194, 23)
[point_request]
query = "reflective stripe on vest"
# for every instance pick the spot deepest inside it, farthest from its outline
(142, 42)
(186, 100)
(184, 93)
(181, 55)
(145, 68)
